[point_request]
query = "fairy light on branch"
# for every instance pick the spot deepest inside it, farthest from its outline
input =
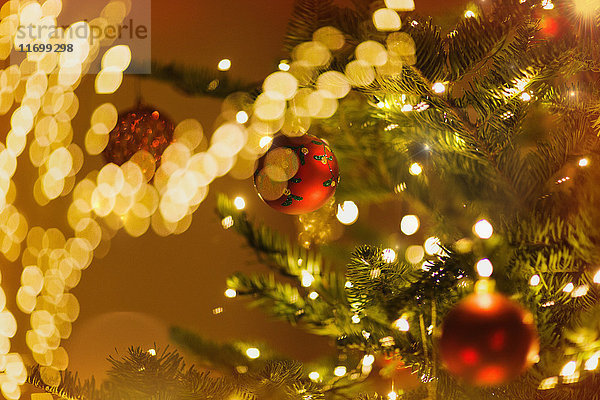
(306, 278)
(402, 323)
(224, 64)
(483, 229)
(569, 287)
(484, 268)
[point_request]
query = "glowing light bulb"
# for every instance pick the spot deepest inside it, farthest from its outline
(409, 224)
(525, 96)
(239, 203)
(388, 255)
(368, 360)
(569, 287)
(313, 295)
(355, 319)
(432, 246)
(401, 324)
(406, 108)
(485, 268)
(227, 222)
(264, 141)
(230, 293)
(470, 14)
(347, 213)
(569, 368)
(597, 277)
(439, 87)
(392, 395)
(152, 352)
(241, 117)
(535, 280)
(306, 278)
(583, 162)
(483, 229)
(415, 169)
(547, 4)
(380, 104)
(340, 370)
(592, 363)
(253, 353)
(314, 376)
(283, 66)
(224, 64)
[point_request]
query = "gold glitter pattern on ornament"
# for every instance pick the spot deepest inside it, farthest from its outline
(317, 227)
(143, 128)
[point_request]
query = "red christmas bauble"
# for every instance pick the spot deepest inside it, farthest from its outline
(297, 175)
(488, 340)
(141, 128)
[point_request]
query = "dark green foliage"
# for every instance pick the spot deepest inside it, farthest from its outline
(502, 142)
(199, 81)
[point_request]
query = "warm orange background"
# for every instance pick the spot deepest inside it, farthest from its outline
(144, 285)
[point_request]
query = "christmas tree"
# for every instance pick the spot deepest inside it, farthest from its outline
(485, 132)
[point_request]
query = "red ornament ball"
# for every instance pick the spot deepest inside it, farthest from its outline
(297, 175)
(488, 340)
(141, 128)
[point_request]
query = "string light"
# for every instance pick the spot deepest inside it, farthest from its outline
(392, 395)
(306, 278)
(241, 117)
(439, 87)
(409, 224)
(368, 360)
(569, 287)
(283, 66)
(415, 168)
(227, 222)
(355, 319)
(224, 64)
(525, 96)
(152, 352)
(485, 268)
(583, 162)
(597, 277)
(535, 280)
(314, 376)
(592, 363)
(388, 255)
(569, 368)
(339, 371)
(406, 108)
(483, 229)
(239, 203)
(402, 323)
(580, 291)
(547, 4)
(470, 14)
(432, 246)
(313, 295)
(347, 213)
(230, 293)
(253, 353)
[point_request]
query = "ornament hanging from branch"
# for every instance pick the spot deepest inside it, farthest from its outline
(488, 340)
(297, 175)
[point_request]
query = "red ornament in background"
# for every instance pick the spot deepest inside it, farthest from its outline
(297, 175)
(141, 128)
(488, 340)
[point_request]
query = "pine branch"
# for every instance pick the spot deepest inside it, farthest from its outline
(199, 81)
